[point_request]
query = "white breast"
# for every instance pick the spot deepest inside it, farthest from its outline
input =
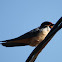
(46, 30)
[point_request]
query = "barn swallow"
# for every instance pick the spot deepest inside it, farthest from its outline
(32, 38)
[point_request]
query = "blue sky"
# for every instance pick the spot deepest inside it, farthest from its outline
(20, 16)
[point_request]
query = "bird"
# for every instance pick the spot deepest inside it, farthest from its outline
(31, 38)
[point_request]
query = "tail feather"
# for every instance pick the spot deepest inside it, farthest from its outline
(12, 43)
(2, 41)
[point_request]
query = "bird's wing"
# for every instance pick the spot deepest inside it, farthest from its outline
(30, 34)
(22, 40)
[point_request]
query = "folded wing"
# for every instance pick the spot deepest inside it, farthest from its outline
(22, 40)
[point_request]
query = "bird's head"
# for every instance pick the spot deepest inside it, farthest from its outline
(46, 24)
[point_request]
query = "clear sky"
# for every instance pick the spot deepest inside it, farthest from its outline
(20, 16)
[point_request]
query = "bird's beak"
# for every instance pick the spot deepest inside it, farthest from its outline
(51, 25)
